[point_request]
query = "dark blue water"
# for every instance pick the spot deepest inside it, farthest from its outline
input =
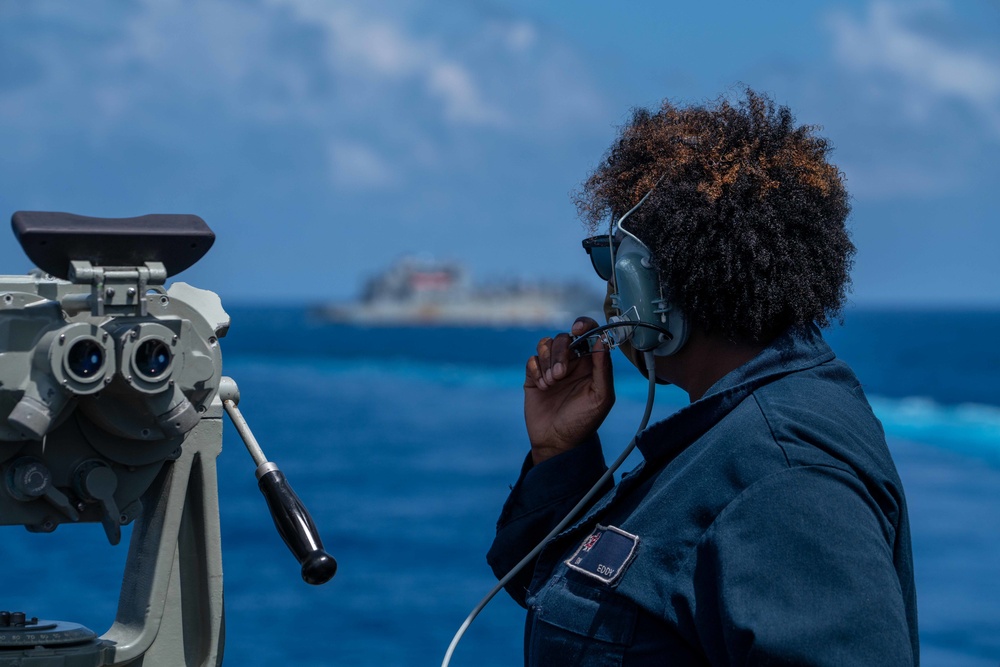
(403, 443)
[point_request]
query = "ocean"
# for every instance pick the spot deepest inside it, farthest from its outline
(403, 444)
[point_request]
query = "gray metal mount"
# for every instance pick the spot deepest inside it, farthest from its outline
(111, 404)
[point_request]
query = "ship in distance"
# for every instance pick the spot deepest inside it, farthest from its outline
(417, 291)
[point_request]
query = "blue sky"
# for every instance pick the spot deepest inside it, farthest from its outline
(323, 139)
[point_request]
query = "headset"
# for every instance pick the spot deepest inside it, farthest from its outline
(637, 295)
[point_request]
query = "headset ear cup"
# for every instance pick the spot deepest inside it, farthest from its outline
(677, 325)
(640, 297)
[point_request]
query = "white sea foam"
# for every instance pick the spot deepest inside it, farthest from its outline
(960, 427)
(966, 425)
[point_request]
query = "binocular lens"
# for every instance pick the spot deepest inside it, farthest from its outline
(152, 358)
(85, 358)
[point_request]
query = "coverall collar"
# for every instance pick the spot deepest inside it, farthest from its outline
(797, 349)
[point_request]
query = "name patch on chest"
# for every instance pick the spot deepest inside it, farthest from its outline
(604, 554)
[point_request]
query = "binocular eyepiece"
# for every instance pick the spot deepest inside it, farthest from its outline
(152, 359)
(85, 359)
(101, 366)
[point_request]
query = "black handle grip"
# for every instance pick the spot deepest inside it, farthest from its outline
(297, 529)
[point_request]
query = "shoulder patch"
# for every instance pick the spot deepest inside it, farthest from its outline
(604, 554)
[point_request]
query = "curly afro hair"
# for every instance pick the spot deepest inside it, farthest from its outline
(747, 225)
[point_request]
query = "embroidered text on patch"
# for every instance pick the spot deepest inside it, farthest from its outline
(604, 554)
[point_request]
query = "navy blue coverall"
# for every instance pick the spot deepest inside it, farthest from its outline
(766, 526)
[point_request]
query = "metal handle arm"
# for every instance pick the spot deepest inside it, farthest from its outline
(290, 516)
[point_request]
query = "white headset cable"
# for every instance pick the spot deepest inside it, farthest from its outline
(618, 225)
(651, 366)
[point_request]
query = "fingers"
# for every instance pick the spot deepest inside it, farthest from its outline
(533, 375)
(538, 365)
(580, 345)
(603, 377)
(583, 325)
(551, 364)
(554, 359)
(600, 357)
(559, 358)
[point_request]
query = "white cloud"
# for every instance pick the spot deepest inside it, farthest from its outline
(378, 47)
(356, 165)
(924, 69)
(519, 36)
(382, 93)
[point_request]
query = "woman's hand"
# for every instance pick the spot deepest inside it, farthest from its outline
(566, 397)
